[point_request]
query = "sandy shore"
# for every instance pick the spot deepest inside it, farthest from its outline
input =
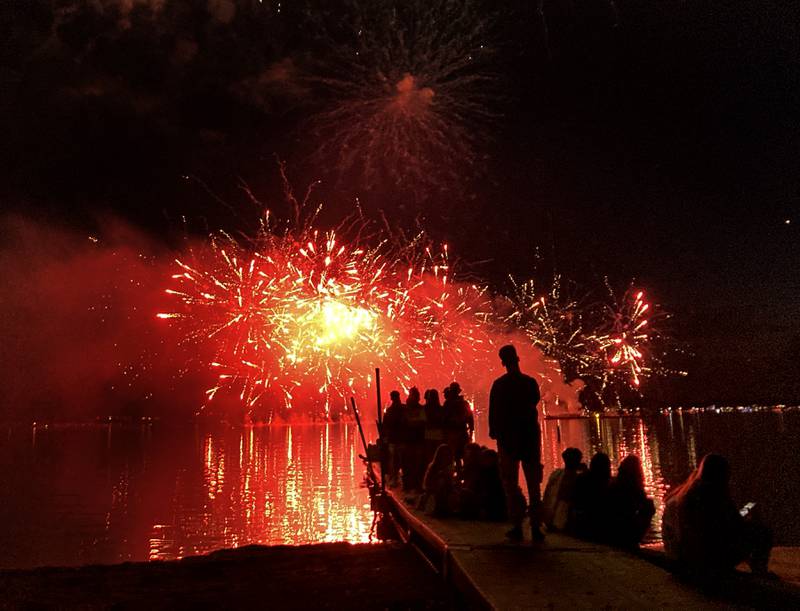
(326, 576)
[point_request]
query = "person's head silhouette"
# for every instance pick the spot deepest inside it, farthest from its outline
(509, 357)
(432, 397)
(600, 466)
(395, 396)
(454, 390)
(630, 472)
(715, 471)
(443, 457)
(572, 458)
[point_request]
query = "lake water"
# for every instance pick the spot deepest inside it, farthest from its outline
(72, 495)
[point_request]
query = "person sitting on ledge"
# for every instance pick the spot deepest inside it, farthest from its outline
(703, 531)
(559, 493)
(469, 503)
(589, 514)
(491, 496)
(631, 510)
(439, 486)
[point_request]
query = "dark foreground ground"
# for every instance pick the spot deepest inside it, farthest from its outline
(327, 576)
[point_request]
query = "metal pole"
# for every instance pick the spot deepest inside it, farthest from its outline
(370, 471)
(378, 389)
(358, 422)
(381, 445)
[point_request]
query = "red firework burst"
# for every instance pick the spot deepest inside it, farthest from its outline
(306, 317)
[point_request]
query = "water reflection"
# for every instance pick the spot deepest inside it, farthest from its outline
(110, 494)
(75, 495)
(761, 448)
(617, 437)
(278, 485)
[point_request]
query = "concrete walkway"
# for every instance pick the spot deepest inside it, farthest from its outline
(562, 573)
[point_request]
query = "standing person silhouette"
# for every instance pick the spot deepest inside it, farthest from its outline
(514, 424)
(459, 423)
(393, 432)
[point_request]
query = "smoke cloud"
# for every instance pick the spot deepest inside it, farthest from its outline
(78, 329)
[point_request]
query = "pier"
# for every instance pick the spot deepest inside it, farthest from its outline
(564, 572)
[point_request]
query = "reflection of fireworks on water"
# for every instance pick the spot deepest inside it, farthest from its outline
(306, 317)
(407, 89)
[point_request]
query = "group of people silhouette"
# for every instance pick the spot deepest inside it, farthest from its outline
(413, 432)
(429, 451)
(591, 504)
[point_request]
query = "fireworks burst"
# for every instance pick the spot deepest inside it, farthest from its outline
(623, 344)
(291, 315)
(612, 346)
(408, 90)
(301, 317)
(632, 342)
(446, 324)
(306, 316)
(554, 323)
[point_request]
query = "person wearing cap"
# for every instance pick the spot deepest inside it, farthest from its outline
(514, 424)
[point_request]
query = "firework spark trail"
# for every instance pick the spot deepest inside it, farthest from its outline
(293, 311)
(447, 325)
(302, 317)
(624, 342)
(613, 346)
(306, 316)
(555, 323)
(408, 87)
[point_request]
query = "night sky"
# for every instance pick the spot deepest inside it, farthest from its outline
(654, 141)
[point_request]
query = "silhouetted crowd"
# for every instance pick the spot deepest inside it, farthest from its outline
(590, 503)
(430, 453)
(414, 431)
(705, 535)
(428, 450)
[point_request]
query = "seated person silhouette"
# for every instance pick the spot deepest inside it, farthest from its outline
(439, 487)
(703, 531)
(589, 512)
(631, 510)
(559, 493)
